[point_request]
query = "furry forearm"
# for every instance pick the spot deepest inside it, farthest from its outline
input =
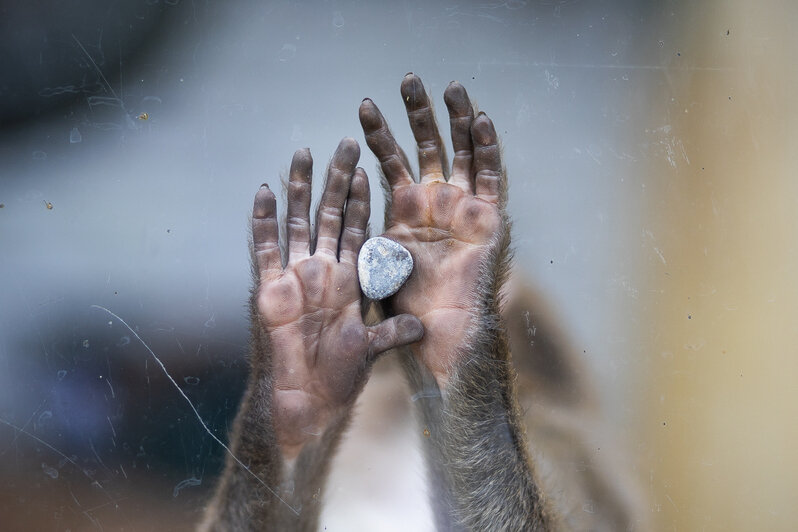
(481, 475)
(475, 442)
(489, 469)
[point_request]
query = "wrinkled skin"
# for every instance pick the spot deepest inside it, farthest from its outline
(310, 309)
(450, 220)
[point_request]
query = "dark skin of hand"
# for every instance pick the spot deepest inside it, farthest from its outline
(310, 308)
(448, 219)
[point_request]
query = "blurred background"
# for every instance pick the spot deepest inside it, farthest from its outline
(651, 153)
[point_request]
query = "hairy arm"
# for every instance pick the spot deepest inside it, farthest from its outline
(311, 351)
(454, 223)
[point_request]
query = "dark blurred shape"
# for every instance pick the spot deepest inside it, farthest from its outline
(55, 53)
(95, 435)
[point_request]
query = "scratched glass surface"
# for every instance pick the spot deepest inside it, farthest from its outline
(648, 148)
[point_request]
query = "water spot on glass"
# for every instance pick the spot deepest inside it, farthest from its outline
(287, 52)
(338, 20)
(123, 341)
(75, 136)
(185, 484)
(552, 80)
(86, 344)
(192, 381)
(39, 155)
(49, 471)
(61, 374)
(44, 417)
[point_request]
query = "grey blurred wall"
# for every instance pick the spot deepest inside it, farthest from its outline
(149, 216)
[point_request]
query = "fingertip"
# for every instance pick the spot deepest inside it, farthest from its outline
(360, 184)
(456, 99)
(369, 114)
(412, 90)
(409, 328)
(360, 173)
(302, 160)
(264, 202)
(482, 130)
(350, 149)
(348, 142)
(454, 87)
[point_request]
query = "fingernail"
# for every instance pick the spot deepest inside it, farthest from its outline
(366, 100)
(264, 185)
(408, 74)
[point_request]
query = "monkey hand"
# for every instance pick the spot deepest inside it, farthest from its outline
(452, 222)
(318, 349)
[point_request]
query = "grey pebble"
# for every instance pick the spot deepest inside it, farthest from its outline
(383, 267)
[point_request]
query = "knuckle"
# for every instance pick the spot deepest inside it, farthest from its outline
(330, 214)
(356, 232)
(296, 223)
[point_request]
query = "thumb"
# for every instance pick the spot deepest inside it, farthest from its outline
(394, 332)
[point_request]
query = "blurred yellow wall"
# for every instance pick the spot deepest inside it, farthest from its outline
(721, 429)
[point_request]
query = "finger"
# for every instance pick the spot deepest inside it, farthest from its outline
(461, 115)
(431, 156)
(336, 189)
(394, 332)
(381, 142)
(265, 236)
(298, 217)
(488, 176)
(356, 218)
